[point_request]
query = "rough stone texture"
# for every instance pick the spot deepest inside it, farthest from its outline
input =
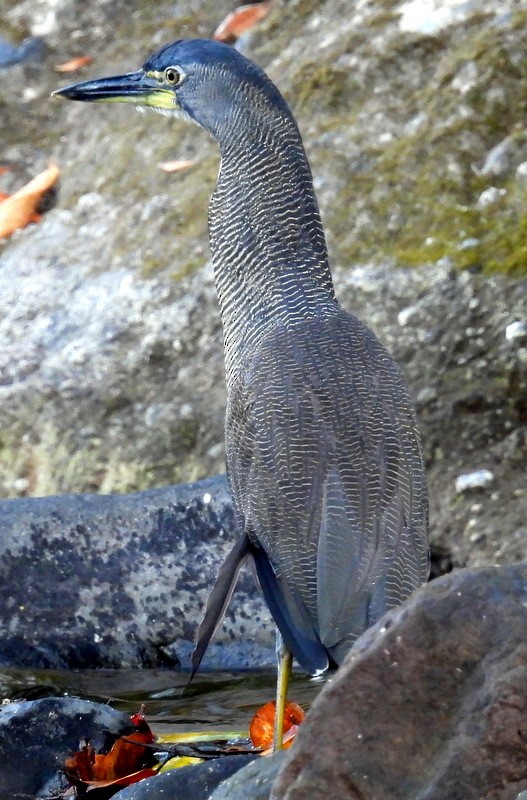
(120, 580)
(252, 782)
(432, 703)
(37, 736)
(192, 783)
(111, 373)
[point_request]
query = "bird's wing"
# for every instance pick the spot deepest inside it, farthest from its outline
(372, 548)
(327, 476)
(287, 607)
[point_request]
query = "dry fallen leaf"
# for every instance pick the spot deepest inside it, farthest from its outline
(125, 764)
(74, 64)
(240, 20)
(261, 729)
(20, 209)
(179, 165)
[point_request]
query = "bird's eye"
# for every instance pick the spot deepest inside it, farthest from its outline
(172, 76)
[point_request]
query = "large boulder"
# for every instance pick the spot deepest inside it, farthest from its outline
(121, 580)
(431, 702)
(37, 736)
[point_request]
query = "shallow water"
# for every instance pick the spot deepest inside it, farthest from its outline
(217, 701)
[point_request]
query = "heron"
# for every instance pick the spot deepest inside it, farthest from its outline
(323, 455)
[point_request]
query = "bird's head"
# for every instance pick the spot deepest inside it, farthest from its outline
(204, 80)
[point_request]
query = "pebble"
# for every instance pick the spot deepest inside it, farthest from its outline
(490, 196)
(405, 315)
(467, 244)
(516, 331)
(479, 479)
(521, 171)
(426, 395)
(498, 160)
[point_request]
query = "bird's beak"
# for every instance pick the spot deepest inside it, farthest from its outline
(138, 88)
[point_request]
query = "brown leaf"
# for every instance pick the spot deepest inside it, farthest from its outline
(126, 780)
(261, 729)
(240, 20)
(20, 209)
(179, 165)
(74, 64)
(125, 761)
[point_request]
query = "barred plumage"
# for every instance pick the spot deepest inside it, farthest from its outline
(323, 454)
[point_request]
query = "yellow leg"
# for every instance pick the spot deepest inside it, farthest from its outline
(285, 664)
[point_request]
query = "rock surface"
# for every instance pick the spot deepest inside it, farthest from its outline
(111, 373)
(37, 736)
(252, 782)
(191, 783)
(430, 703)
(121, 580)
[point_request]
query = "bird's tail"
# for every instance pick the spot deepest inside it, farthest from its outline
(219, 599)
(291, 616)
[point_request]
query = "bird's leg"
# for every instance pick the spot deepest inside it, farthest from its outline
(285, 663)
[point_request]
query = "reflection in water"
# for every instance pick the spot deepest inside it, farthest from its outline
(214, 700)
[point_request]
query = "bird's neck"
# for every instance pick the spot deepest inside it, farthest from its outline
(267, 240)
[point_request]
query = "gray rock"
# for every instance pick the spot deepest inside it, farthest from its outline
(253, 782)
(191, 783)
(37, 736)
(121, 580)
(431, 702)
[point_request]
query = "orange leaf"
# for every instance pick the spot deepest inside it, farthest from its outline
(240, 20)
(287, 741)
(126, 758)
(20, 208)
(80, 765)
(74, 64)
(126, 780)
(261, 729)
(35, 217)
(176, 166)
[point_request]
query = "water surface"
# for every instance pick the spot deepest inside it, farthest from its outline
(220, 700)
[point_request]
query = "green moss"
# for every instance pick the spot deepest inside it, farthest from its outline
(151, 265)
(52, 465)
(383, 18)
(186, 269)
(415, 199)
(321, 86)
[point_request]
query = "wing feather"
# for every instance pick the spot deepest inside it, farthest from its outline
(327, 475)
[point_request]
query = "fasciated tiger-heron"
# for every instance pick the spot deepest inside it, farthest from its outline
(323, 454)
